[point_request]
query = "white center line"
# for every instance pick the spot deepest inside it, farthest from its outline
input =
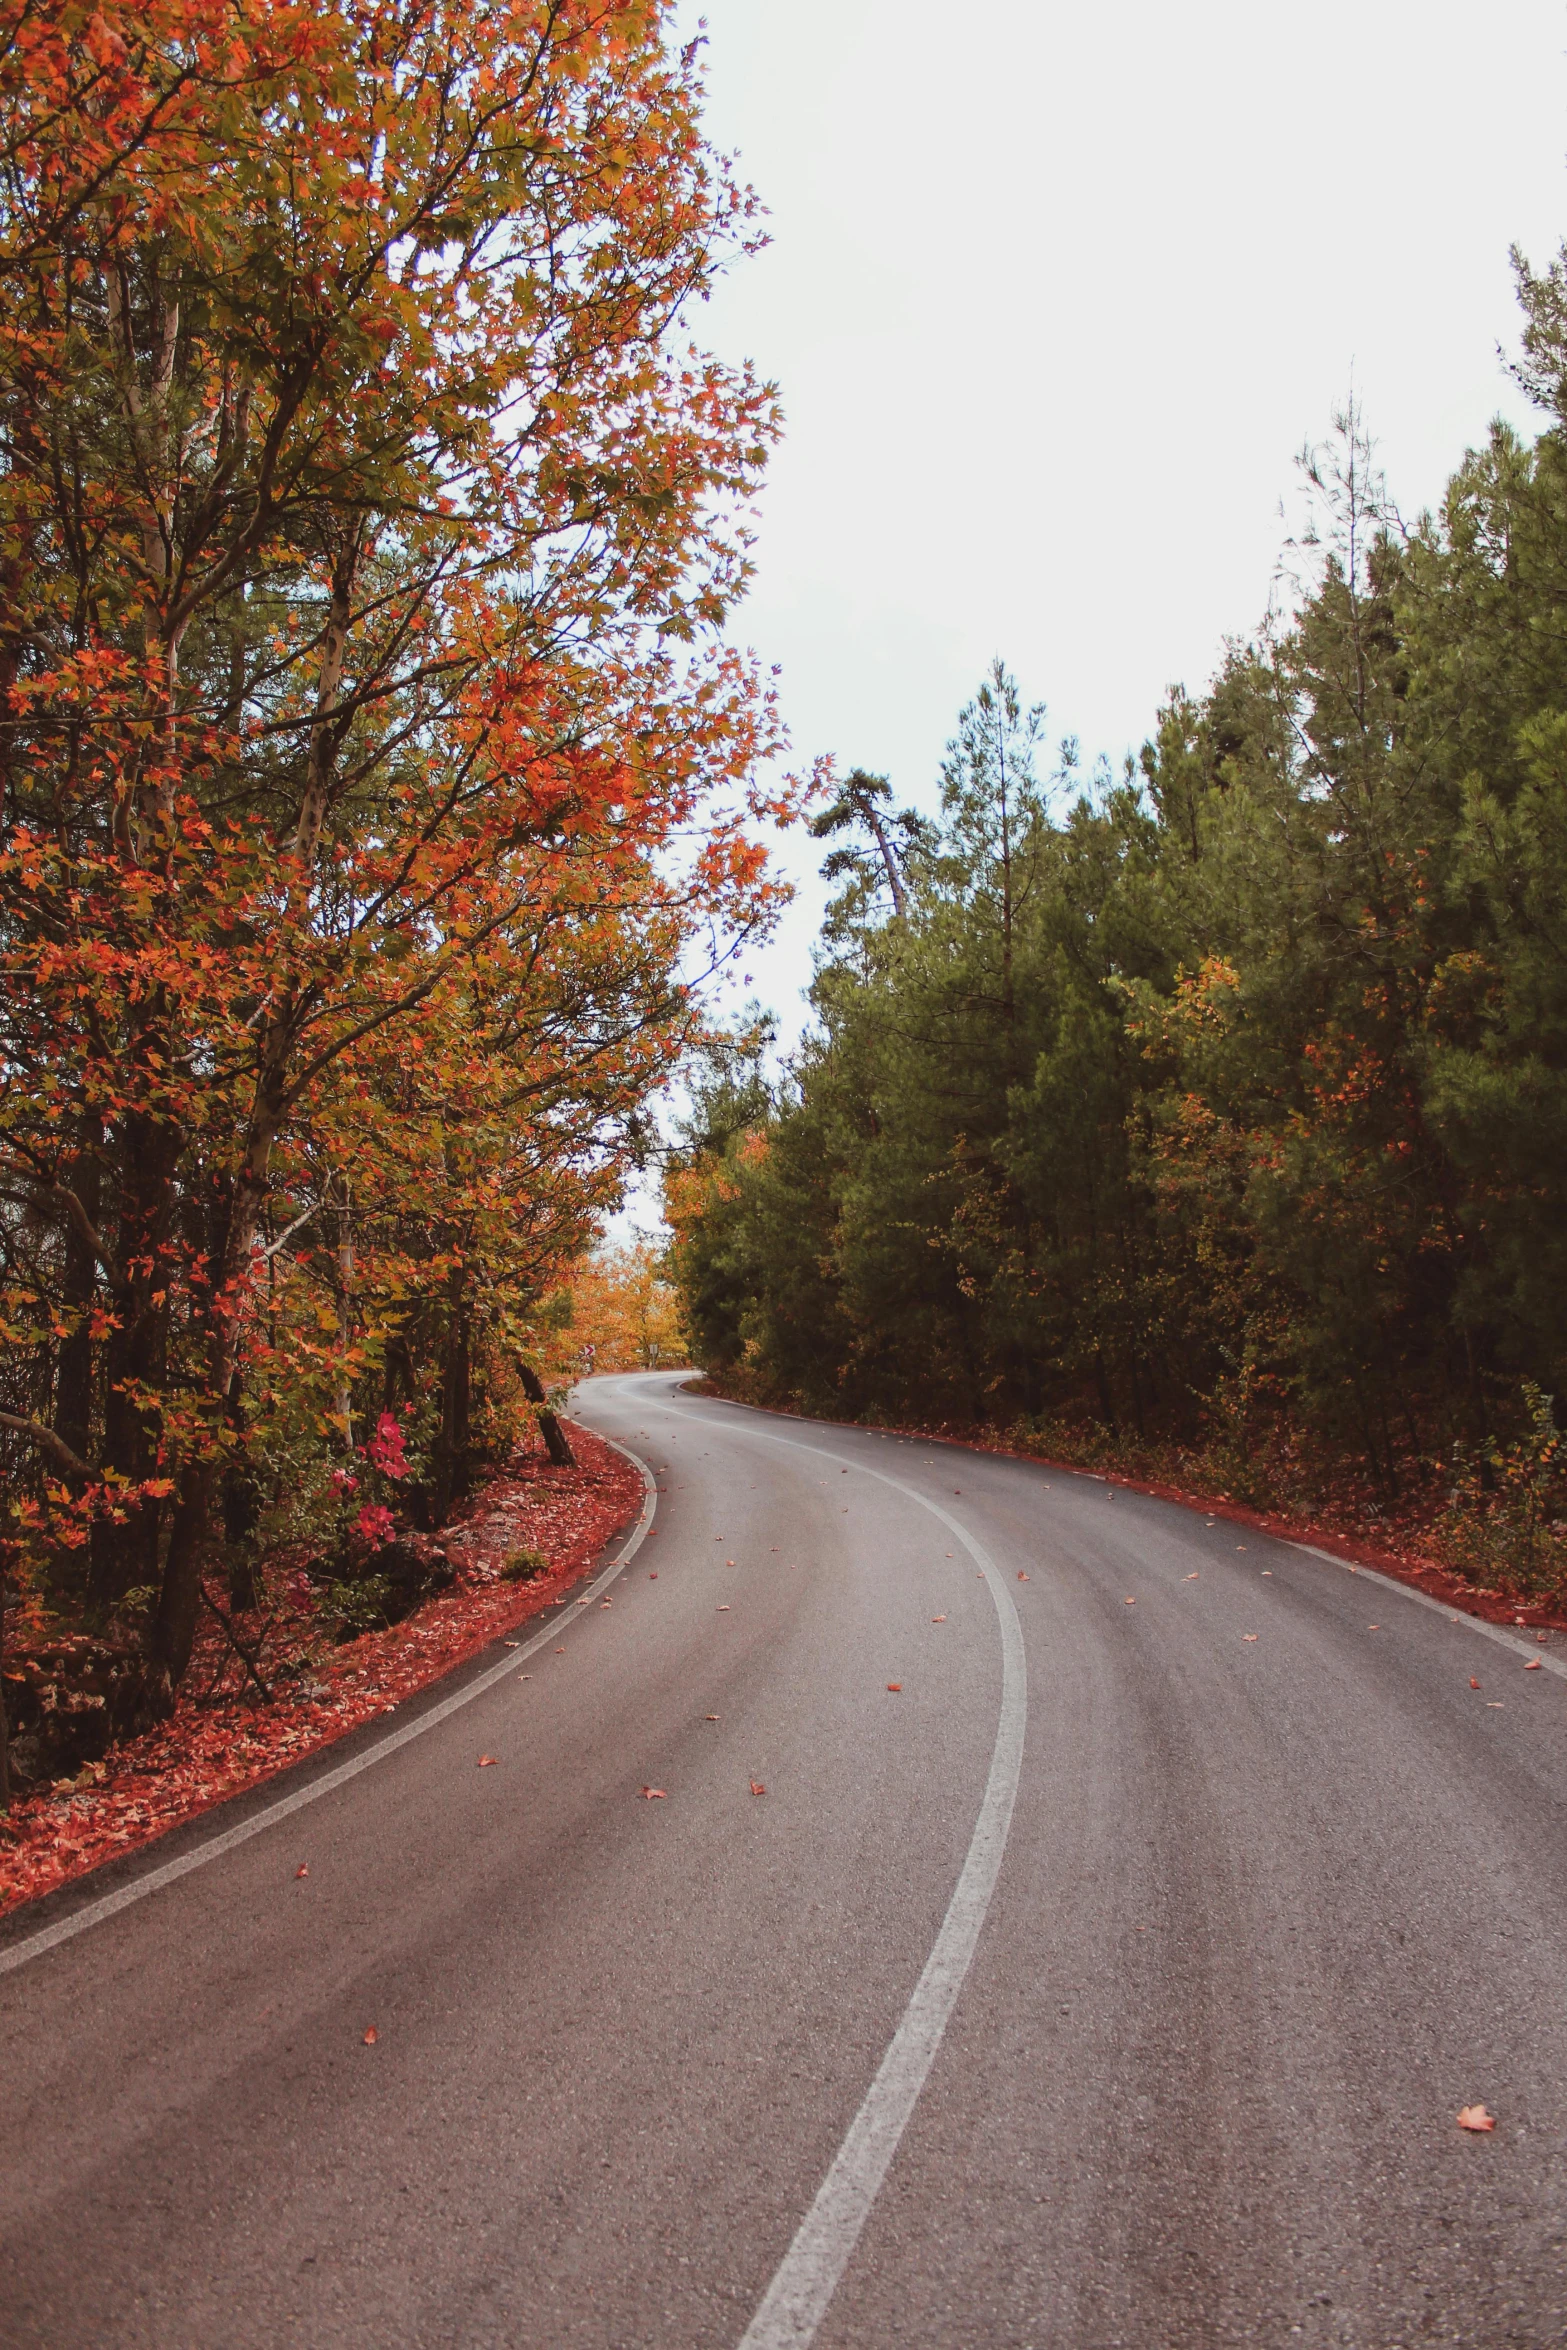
(796, 2301)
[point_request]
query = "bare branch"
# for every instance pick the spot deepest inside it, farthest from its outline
(47, 1441)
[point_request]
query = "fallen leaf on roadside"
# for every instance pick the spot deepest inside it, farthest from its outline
(303, 1869)
(757, 1788)
(486, 1762)
(723, 1609)
(1473, 1683)
(1240, 1545)
(1022, 1578)
(511, 1644)
(652, 1574)
(371, 2037)
(655, 1794)
(938, 1619)
(1475, 2117)
(1248, 1635)
(710, 1717)
(1374, 1627)
(895, 1688)
(1130, 1603)
(1192, 1577)
(1535, 1664)
(729, 1562)
(560, 1652)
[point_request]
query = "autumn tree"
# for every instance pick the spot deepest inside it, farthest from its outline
(371, 750)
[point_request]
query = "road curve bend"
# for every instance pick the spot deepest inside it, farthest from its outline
(925, 1898)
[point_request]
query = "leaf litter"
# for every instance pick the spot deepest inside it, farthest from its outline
(217, 1745)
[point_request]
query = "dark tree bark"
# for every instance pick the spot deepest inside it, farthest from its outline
(5, 1734)
(556, 1443)
(73, 1381)
(241, 1509)
(174, 1625)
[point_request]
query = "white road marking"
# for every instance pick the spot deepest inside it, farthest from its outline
(1528, 1648)
(155, 1879)
(807, 2277)
(797, 2300)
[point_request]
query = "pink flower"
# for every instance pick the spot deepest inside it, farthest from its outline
(374, 1525)
(385, 1448)
(341, 1482)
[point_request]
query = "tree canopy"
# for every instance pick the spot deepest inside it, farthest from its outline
(1219, 1102)
(374, 762)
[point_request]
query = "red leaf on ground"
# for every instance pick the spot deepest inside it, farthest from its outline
(371, 2037)
(303, 1869)
(1248, 1635)
(486, 1762)
(938, 1619)
(895, 1688)
(1475, 2117)
(655, 1794)
(1022, 1578)
(1535, 1664)
(1130, 1603)
(216, 1743)
(1473, 1683)
(757, 1788)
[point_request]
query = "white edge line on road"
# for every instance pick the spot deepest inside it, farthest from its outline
(1530, 1649)
(796, 2301)
(155, 1879)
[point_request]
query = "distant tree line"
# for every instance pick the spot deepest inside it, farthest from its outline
(1222, 1102)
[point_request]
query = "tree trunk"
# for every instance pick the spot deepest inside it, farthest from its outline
(73, 1384)
(127, 1554)
(174, 1626)
(556, 1443)
(241, 1509)
(5, 1735)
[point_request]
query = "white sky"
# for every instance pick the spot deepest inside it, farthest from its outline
(1057, 293)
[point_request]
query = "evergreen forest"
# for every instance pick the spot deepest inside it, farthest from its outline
(1210, 1116)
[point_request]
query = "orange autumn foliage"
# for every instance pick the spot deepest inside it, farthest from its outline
(372, 751)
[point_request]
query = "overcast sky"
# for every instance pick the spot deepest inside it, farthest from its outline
(1055, 296)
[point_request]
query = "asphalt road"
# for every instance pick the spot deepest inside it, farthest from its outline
(1121, 1974)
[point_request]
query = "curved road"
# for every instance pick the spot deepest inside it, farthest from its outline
(1116, 1980)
